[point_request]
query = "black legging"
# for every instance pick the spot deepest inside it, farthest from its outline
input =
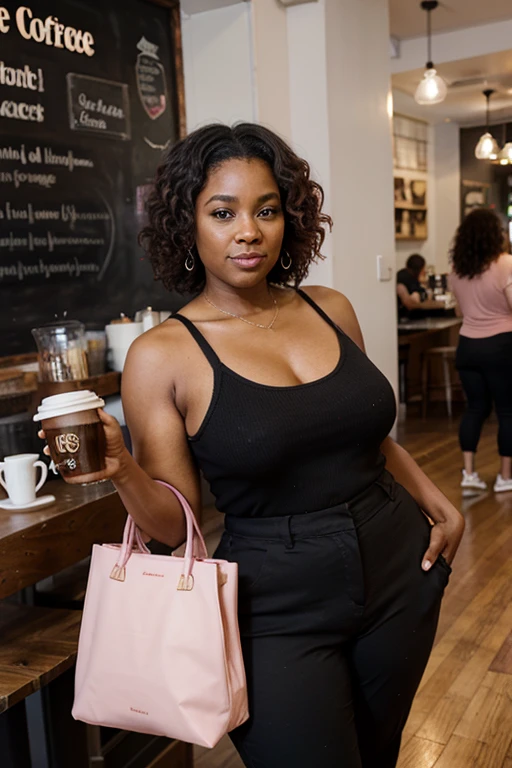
(337, 621)
(485, 370)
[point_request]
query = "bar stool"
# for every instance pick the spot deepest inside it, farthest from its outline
(447, 356)
(403, 359)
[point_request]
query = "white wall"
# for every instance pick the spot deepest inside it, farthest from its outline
(218, 66)
(443, 189)
(447, 189)
(271, 65)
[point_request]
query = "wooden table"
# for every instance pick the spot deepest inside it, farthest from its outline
(38, 543)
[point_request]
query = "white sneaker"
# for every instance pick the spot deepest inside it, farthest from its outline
(472, 480)
(502, 485)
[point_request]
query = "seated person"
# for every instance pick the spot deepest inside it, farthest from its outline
(411, 293)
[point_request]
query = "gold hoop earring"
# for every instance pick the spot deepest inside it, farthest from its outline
(289, 263)
(190, 261)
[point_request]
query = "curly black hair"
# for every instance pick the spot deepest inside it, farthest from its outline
(170, 205)
(478, 242)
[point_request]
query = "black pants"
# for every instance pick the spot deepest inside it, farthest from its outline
(337, 621)
(485, 370)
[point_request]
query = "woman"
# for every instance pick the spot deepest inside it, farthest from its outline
(482, 283)
(409, 288)
(267, 389)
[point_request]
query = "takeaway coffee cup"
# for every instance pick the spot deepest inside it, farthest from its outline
(74, 432)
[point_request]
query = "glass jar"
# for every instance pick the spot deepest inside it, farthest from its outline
(62, 351)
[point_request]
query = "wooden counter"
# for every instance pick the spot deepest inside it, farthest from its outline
(40, 543)
(428, 325)
(414, 338)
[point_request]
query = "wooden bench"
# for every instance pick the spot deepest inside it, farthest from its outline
(36, 646)
(38, 649)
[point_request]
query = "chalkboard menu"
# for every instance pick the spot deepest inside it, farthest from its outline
(88, 101)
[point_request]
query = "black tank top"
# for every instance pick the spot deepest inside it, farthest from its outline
(269, 451)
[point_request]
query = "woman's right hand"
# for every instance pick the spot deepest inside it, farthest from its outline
(116, 454)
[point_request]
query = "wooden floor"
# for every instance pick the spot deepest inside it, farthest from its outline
(462, 714)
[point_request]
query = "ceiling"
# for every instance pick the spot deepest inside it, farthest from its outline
(189, 7)
(467, 79)
(409, 20)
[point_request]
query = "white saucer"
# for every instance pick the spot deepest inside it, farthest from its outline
(42, 501)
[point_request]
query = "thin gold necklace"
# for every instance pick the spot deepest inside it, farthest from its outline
(243, 319)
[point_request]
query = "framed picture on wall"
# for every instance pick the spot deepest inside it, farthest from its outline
(410, 139)
(410, 208)
(410, 224)
(474, 194)
(410, 193)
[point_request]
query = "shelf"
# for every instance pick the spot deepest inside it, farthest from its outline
(104, 384)
(410, 138)
(410, 207)
(409, 168)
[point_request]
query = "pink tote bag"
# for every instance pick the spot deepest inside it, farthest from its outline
(159, 649)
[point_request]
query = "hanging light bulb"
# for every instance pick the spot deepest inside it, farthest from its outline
(432, 89)
(487, 147)
(505, 155)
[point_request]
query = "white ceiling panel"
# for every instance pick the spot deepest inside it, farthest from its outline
(466, 80)
(407, 19)
(190, 7)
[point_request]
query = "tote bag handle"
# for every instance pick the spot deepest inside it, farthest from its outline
(195, 547)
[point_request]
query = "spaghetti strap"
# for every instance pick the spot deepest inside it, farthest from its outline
(318, 309)
(208, 351)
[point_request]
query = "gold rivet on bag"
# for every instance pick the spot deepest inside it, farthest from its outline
(118, 573)
(222, 578)
(186, 583)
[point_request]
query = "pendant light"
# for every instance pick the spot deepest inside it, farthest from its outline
(432, 89)
(487, 147)
(505, 154)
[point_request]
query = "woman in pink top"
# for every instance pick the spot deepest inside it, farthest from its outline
(482, 283)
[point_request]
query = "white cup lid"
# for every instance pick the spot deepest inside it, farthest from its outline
(68, 402)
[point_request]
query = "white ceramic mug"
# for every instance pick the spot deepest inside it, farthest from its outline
(18, 477)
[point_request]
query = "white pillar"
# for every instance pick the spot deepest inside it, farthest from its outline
(358, 83)
(309, 109)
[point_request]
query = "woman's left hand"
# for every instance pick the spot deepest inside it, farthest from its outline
(445, 538)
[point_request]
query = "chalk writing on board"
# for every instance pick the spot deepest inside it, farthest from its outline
(50, 226)
(19, 178)
(157, 146)
(46, 156)
(22, 77)
(50, 31)
(66, 212)
(150, 77)
(19, 270)
(98, 106)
